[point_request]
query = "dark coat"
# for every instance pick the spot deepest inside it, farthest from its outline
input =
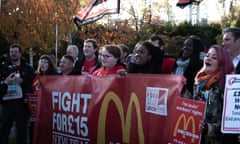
(238, 68)
(27, 73)
(149, 68)
(190, 74)
(3, 89)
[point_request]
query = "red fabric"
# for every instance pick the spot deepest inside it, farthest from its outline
(79, 109)
(104, 72)
(32, 98)
(205, 129)
(35, 84)
(168, 65)
(183, 1)
(88, 66)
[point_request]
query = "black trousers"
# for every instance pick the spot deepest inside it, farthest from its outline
(11, 113)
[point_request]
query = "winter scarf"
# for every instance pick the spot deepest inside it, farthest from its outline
(205, 81)
(181, 66)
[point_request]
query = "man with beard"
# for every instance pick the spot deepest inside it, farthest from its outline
(14, 107)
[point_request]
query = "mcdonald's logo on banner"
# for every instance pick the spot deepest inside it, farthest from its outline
(125, 123)
(185, 130)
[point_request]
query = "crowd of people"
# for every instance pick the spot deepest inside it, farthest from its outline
(204, 69)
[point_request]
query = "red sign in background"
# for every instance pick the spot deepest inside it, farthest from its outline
(113, 109)
(32, 100)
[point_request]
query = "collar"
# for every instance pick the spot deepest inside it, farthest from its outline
(236, 60)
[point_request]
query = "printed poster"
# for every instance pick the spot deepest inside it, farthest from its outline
(113, 110)
(231, 105)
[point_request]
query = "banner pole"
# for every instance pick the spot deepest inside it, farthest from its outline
(56, 48)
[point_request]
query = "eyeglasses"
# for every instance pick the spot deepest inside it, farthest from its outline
(105, 56)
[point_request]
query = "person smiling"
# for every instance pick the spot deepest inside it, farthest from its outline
(147, 59)
(88, 63)
(209, 88)
(67, 65)
(110, 60)
(189, 60)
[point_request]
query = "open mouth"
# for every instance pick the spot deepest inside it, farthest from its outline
(207, 64)
(138, 59)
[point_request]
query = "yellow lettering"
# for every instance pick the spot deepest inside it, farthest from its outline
(126, 125)
(185, 125)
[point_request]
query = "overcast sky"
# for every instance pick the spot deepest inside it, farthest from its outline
(209, 10)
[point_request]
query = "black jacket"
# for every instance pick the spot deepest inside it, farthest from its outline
(149, 68)
(27, 73)
(3, 89)
(238, 68)
(190, 73)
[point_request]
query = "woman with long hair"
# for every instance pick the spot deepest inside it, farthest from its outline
(209, 88)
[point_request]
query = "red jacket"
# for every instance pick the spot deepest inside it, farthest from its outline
(102, 71)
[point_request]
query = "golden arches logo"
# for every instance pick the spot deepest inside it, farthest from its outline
(126, 124)
(185, 125)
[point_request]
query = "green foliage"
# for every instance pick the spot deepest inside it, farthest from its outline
(173, 35)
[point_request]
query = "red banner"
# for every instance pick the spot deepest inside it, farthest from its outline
(32, 100)
(129, 109)
(184, 3)
(96, 10)
(185, 126)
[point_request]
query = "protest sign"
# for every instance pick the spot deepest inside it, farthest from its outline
(136, 108)
(231, 105)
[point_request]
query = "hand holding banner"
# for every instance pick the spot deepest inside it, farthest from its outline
(79, 109)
